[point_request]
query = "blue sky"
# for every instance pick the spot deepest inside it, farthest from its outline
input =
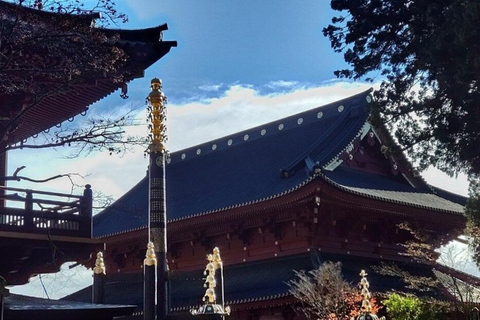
(238, 64)
(249, 42)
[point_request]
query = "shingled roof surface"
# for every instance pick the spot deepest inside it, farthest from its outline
(262, 163)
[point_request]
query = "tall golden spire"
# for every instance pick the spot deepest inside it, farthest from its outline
(157, 115)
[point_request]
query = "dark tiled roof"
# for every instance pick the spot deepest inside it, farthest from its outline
(263, 163)
(461, 200)
(251, 281)
(244, 167)
(379, 187)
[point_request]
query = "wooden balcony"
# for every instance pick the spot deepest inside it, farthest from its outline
(41, 212)
(39, 231)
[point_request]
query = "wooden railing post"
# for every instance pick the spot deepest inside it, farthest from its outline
(86, 207)
(29, 210)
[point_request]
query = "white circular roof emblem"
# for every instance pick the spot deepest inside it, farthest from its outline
(340, 108)
(280, 126)
(214, 146)
(369, 98)
(184, 156)
(229, 142)
(300, 121)
(199, 151)
(263, 132)
(245, 137)
(320, 114)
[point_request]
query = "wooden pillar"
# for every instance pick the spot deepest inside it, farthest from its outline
(99, 275)
(149, 286)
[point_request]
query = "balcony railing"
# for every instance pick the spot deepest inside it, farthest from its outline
(41, 212)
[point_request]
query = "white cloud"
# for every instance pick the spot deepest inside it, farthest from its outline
(281, 84)
(210, 87)
(242, 107)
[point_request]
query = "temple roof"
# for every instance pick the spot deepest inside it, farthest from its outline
(143, 47)
(250, 282)
(266, 162)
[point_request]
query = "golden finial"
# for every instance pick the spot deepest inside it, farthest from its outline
(150, 257)
(216, 259)
(157, 116)
(210, 298)
(99, 264)
(366, 308)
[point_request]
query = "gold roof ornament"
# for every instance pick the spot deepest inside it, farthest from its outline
(211, 307)
(150, 257)
(366, 308)
(99, 264)
(157, 115)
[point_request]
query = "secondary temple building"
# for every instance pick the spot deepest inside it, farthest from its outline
(287, 195)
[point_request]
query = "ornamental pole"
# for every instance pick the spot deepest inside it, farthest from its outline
(157, 208)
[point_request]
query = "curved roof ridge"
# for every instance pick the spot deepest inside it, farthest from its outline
(151, 34)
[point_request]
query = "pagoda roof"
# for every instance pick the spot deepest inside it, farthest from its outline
(258, 281)
(268, 162)
(143, 46)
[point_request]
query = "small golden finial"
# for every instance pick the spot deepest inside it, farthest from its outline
(150, 257)
(157, 115)
(210, 282)
(99, 264)
(216, 259)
